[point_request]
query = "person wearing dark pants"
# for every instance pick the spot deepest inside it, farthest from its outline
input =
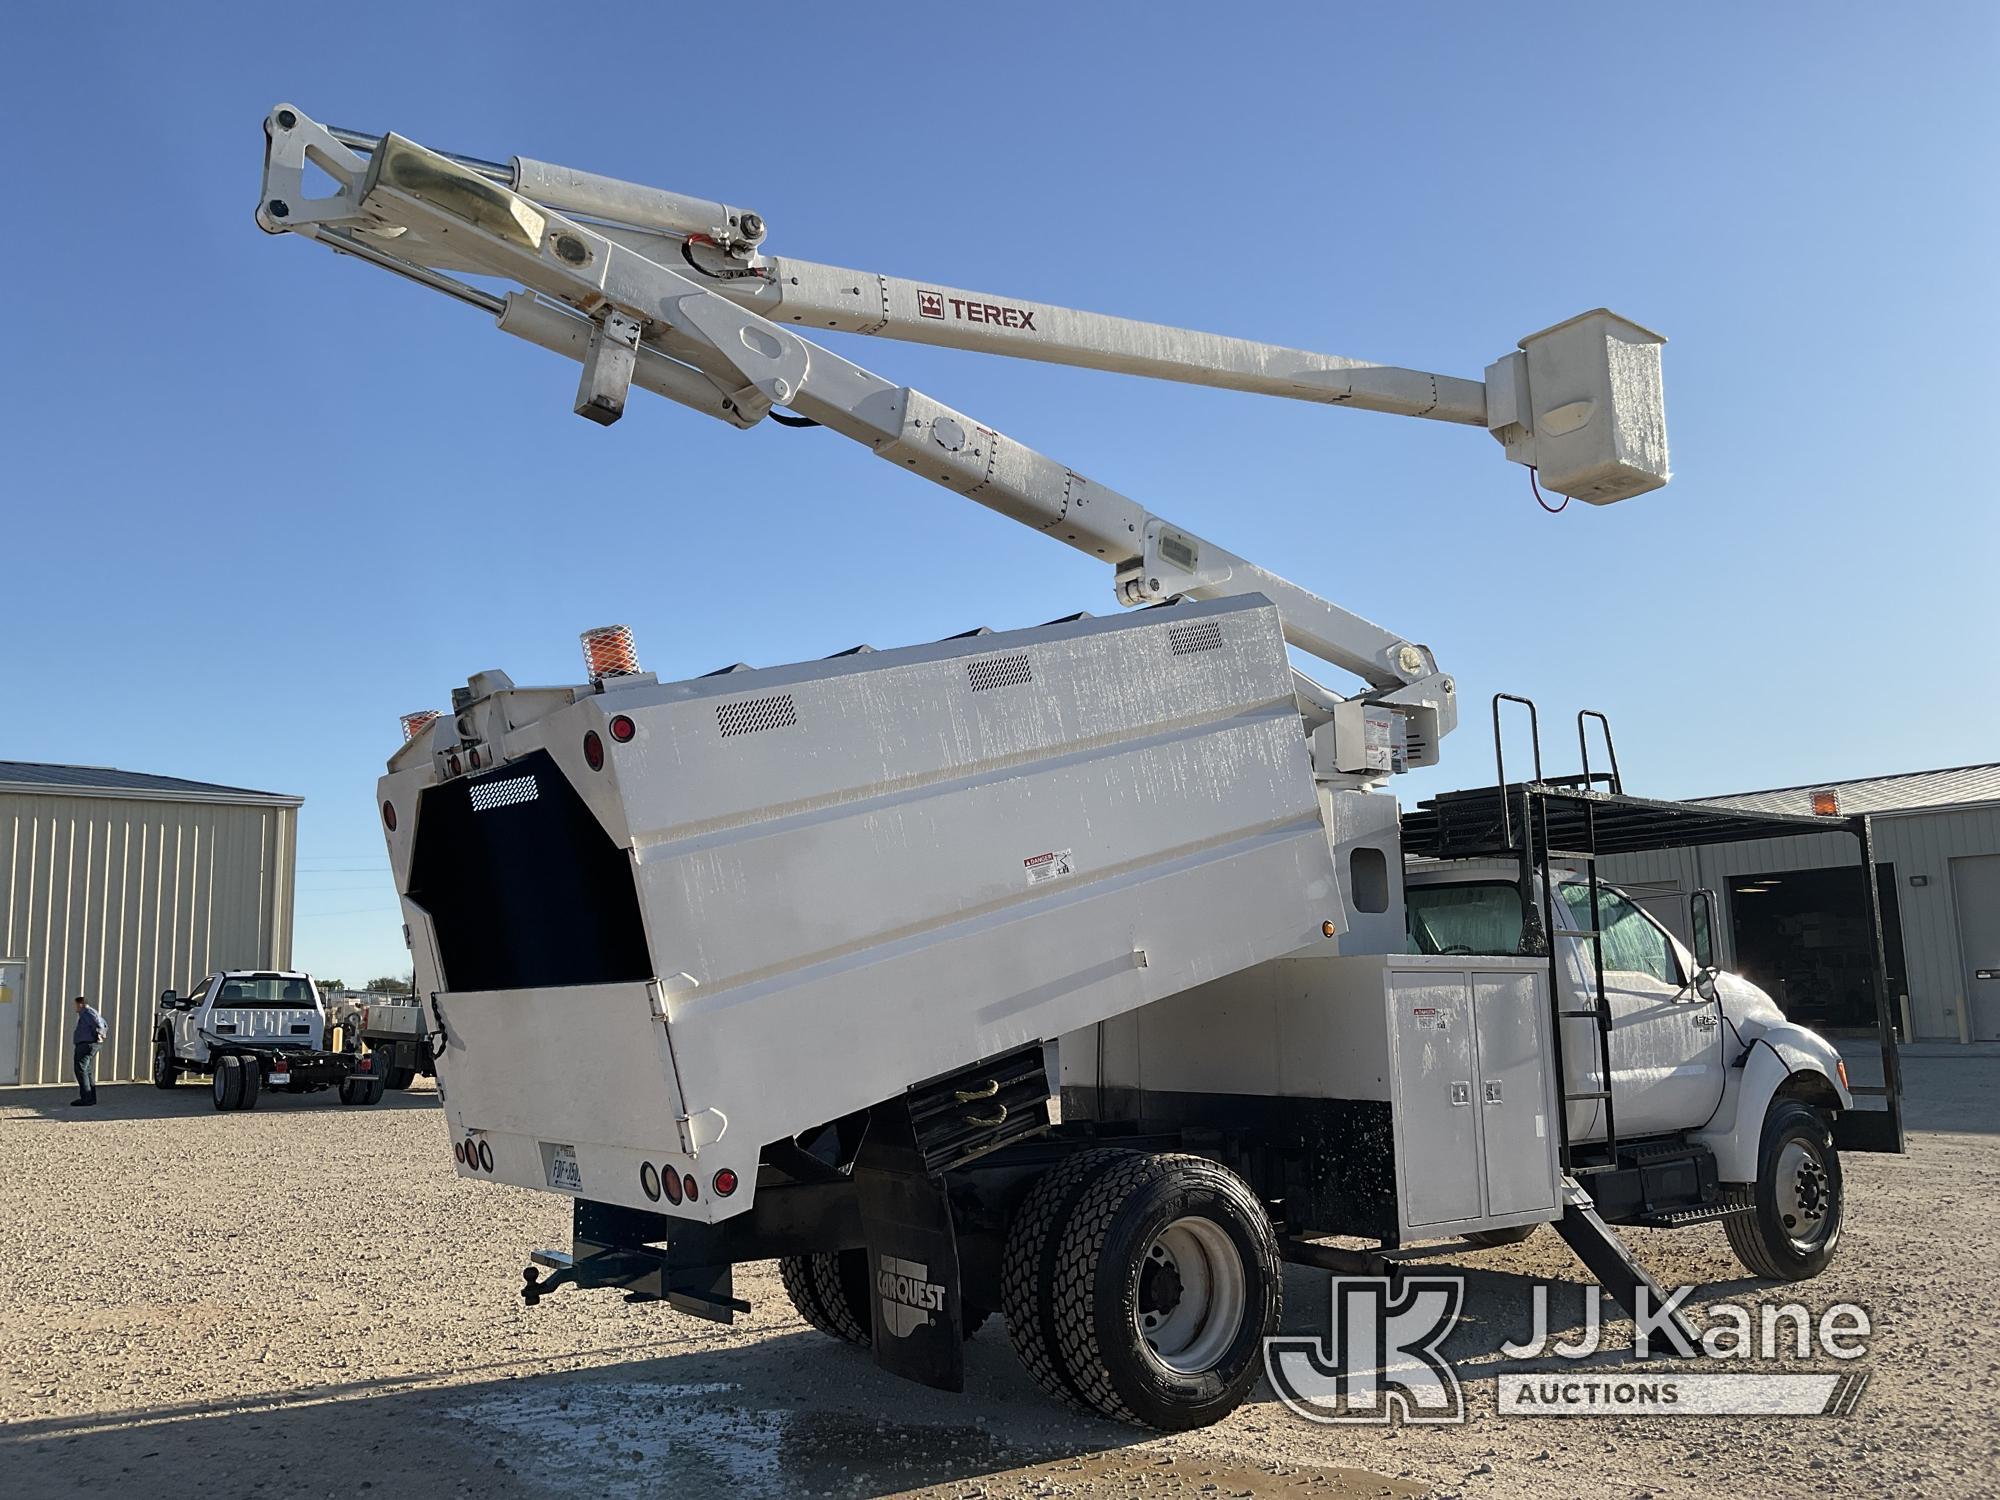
(89, 1037)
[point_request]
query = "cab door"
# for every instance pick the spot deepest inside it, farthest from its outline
(1666, 1038)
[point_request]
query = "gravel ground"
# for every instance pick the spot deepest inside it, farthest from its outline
(341, 1315)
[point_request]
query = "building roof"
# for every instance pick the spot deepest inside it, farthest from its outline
(1908, 791)
(40, 780)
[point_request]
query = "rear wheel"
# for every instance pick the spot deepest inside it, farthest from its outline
(1167, 1282)
(830, 1290)
(253, 1084)
(166, 1067)
(1028, 1265)
(400, 1078)
(1796, 1204)
(226, 1083)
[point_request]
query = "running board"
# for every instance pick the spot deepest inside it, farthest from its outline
(1607, 1258)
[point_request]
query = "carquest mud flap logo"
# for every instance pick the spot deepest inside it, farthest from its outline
(1381, 1359)
(910, 1299)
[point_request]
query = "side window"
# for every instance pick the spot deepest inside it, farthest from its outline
(1632, 944)
(1483, 918)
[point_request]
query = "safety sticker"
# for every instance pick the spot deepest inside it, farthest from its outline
(1429, 1016)
(1052, 866)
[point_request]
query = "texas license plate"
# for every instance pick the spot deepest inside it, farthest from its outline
(564, 1175)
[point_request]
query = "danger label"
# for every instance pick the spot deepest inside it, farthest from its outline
(1052, 866)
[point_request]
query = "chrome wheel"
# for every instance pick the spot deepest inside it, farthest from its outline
(1192, 1296)
(1803, 1193)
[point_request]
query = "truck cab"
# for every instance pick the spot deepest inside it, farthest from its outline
(1699, 1058)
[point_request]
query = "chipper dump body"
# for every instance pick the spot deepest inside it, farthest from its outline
(678, 922)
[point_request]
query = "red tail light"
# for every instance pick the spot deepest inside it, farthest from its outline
(670, 1183)
(389, 816)
(593, 750)
(724, 1183)
(690, 1187)
(622, 729)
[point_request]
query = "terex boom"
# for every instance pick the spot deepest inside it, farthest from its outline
(1079, 973)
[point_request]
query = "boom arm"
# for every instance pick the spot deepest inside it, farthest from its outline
(686, 335)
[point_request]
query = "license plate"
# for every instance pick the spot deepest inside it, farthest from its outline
(564, 1175)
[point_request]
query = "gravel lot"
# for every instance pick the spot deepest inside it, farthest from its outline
(341, 1314)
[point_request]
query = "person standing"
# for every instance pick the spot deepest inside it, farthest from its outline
(89, 1037)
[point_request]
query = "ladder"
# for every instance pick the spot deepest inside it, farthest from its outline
(1558, 918)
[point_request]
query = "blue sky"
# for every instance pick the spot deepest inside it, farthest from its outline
(259, 501)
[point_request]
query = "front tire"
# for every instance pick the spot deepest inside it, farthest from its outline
(1793, 1223)
(1168, 1281)
(166, 1067)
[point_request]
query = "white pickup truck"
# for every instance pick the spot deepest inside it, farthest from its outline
(248, 1029)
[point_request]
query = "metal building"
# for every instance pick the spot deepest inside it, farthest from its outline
(117, 885)
(1791, 908)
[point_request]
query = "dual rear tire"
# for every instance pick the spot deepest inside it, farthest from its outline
(1141, 1287)
(361, 1090)
(235, 1084)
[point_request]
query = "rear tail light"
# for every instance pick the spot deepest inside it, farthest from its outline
(608, 651)
(622, 728)
(593, 750)
(458, 1152)
(649, 1181)
(670, 1184)
(690, 1187)
(485, 1157)
(389, 816)
(416, 723)
(724, 1183)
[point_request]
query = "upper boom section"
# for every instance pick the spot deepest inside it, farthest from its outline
(1581, 402)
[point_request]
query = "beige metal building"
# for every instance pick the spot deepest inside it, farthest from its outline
(1791, 907)
(117, 885)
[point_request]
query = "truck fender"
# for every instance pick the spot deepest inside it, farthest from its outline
(1778, 1054)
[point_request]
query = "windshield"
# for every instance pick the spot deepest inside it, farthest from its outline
(265, 991)
(1482, 918)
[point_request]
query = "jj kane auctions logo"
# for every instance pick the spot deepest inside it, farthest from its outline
(1382, 1359)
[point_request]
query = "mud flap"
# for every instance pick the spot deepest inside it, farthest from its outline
(914, 1296)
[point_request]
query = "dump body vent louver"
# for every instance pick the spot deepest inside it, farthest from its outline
(487, 795)
(999, 672)
(1196, 635)
(749, 715)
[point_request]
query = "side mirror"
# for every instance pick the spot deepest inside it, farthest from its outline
(168, 999)
(1701, 927)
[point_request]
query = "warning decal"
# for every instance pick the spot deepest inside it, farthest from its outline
(1052, 866)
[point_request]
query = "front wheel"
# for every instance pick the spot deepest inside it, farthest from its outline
(1792, 1225)
(166, 1067)
(1167, 1283)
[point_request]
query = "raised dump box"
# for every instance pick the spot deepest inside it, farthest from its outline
(668, 924)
